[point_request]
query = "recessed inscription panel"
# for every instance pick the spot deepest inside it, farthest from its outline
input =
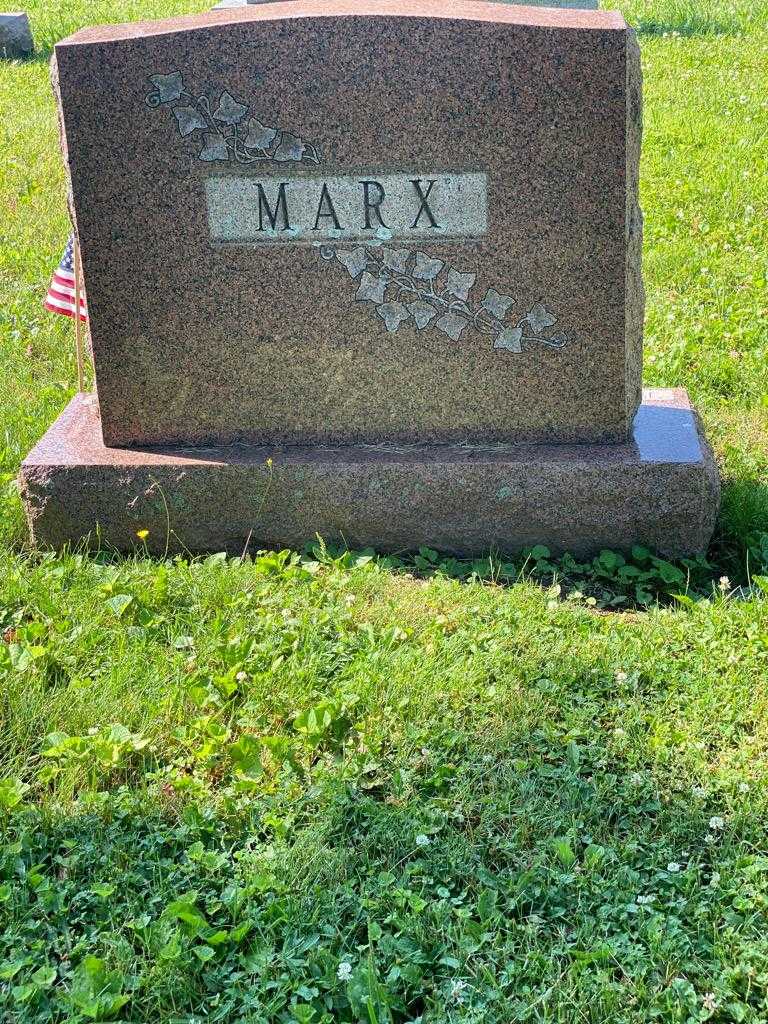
(298, 209)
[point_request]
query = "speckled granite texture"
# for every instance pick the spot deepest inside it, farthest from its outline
(196, 342)
(660, 489)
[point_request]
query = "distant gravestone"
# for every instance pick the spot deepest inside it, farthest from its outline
(311, 236)
(15, 35)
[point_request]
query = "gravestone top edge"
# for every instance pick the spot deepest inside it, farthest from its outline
(289, 10)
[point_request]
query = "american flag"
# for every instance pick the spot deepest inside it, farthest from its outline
(60, 297)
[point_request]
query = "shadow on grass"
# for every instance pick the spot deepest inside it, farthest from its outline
(741, 541)
(491, 848)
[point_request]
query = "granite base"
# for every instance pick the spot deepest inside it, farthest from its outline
(661, 489)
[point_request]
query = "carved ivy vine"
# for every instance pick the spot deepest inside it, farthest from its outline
(224, 129)
(423, 291)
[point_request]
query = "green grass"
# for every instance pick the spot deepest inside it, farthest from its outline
(222, 780)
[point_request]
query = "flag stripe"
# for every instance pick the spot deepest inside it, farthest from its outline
(60, 297)
(65, 311)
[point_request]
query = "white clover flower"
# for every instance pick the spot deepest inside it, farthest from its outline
(636, 778)
(710, 838)
(618, 731)
(743, 787)
(724, 583)
(716, 823)
(422, 840)
(709, 1002)
(344, 972)
(699, 791)
(673, 867)
(714, 878)
(457, 987)
(620, 677)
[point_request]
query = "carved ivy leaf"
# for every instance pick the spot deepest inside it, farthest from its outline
(510, 339)
(452, 324)
(426, 268)
(397, 260)
(260, 136)
(540, 317)
(496, 303)
(215, 147)
(393, 314)
(423, 313)
(371, 289)
(459, 284)
(167, 87)
(290, 148)
(229, 111)
(188, 120)
(355, 260)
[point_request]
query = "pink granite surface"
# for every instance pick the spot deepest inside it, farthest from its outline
(660, 489)
(201, 342)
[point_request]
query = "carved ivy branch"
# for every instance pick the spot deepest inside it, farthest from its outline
(422, 289)
(226, 132)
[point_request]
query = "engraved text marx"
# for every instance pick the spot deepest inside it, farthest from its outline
(305, 209)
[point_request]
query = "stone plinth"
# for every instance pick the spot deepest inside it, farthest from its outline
(660, 489)
(15, 35)
(352, 221)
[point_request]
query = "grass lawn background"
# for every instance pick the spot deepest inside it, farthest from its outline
(222, 782)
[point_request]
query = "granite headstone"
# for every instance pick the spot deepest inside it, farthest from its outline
(329, 231)
(368, 270)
